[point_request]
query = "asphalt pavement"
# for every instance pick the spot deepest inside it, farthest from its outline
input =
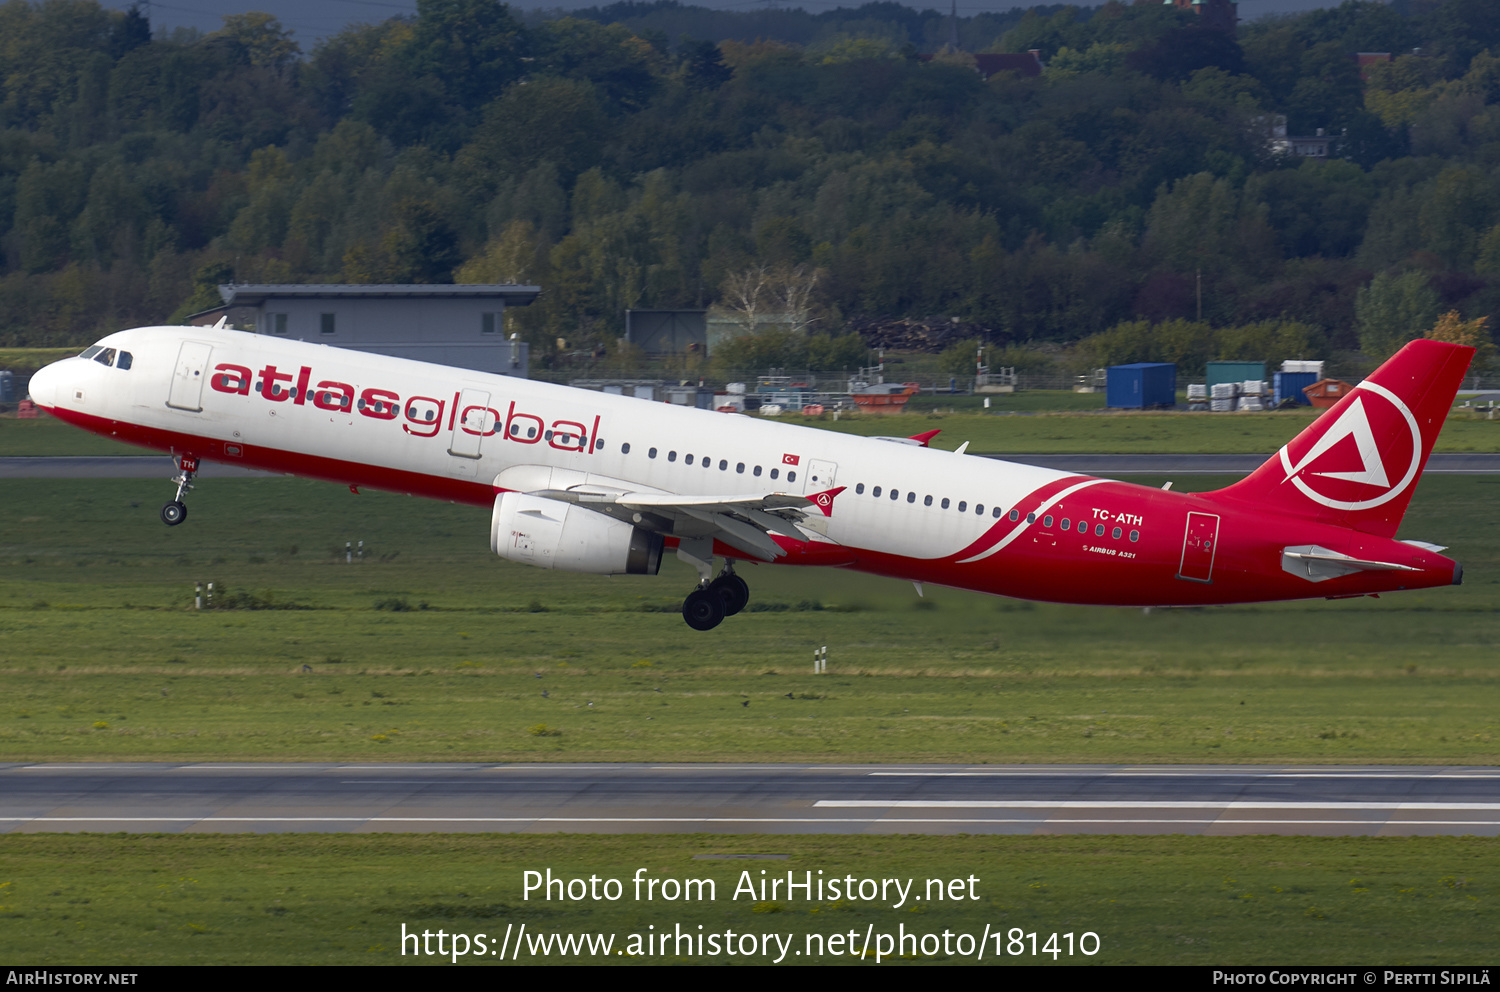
(768, 799)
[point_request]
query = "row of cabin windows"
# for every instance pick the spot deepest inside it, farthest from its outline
(995, 512)
(1083, 526)
(707, 462)
(944, 503)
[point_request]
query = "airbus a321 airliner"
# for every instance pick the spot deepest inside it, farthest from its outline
(591, 482)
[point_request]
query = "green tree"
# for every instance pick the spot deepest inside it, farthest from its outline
(473, 48)
(1393, 310)
(513, 257)
(624, 69)
(259, 39)
(547, 120)
(1270, 341)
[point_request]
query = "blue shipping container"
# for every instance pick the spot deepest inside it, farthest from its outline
(1289, 386)
(1139, 386)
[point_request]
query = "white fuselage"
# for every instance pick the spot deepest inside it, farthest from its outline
(365, 419)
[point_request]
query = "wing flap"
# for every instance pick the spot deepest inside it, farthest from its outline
(744, 522)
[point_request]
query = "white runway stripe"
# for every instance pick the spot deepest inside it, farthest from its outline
(1133, 804)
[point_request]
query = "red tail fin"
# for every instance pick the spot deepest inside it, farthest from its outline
(1357, 464)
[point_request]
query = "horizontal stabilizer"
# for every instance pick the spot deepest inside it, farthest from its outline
(1315, 564)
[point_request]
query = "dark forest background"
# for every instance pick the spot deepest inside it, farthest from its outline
(662, 155)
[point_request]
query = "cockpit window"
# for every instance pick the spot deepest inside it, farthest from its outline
(91, 351)
(123, 362)
(106, 356)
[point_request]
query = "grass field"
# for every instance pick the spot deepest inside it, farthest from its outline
(343, 899)
(431, 648)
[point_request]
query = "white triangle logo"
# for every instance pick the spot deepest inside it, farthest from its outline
(1351, 423)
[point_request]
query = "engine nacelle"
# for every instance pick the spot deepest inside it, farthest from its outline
(548, 533)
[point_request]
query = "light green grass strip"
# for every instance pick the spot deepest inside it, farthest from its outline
(342, 899)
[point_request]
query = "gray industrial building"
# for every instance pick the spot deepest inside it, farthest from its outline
(667, 332)
(458, 325)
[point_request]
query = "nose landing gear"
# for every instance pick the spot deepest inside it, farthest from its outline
(175, 512)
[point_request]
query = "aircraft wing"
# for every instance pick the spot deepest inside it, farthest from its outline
(744, 522)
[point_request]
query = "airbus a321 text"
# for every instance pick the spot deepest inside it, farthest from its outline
(592, 482)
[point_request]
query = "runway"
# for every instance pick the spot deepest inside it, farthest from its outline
(149, 466)
(764, 799)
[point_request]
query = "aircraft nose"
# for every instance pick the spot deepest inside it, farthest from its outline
(46, 385)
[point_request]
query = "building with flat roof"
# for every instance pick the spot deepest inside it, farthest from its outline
(458, 325)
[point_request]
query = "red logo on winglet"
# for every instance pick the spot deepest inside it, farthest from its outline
(824, 499)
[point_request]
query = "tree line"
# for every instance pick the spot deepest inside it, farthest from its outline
(619, 160)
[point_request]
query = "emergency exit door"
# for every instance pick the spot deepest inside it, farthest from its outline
(1199, 545)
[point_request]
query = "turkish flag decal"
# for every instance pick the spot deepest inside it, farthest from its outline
(791, 459)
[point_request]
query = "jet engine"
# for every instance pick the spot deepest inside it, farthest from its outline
(549, 533)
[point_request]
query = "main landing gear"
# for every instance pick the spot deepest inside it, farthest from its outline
(175, 512)
(707, 606)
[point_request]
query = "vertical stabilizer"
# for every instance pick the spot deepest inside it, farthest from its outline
(1358, 463)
